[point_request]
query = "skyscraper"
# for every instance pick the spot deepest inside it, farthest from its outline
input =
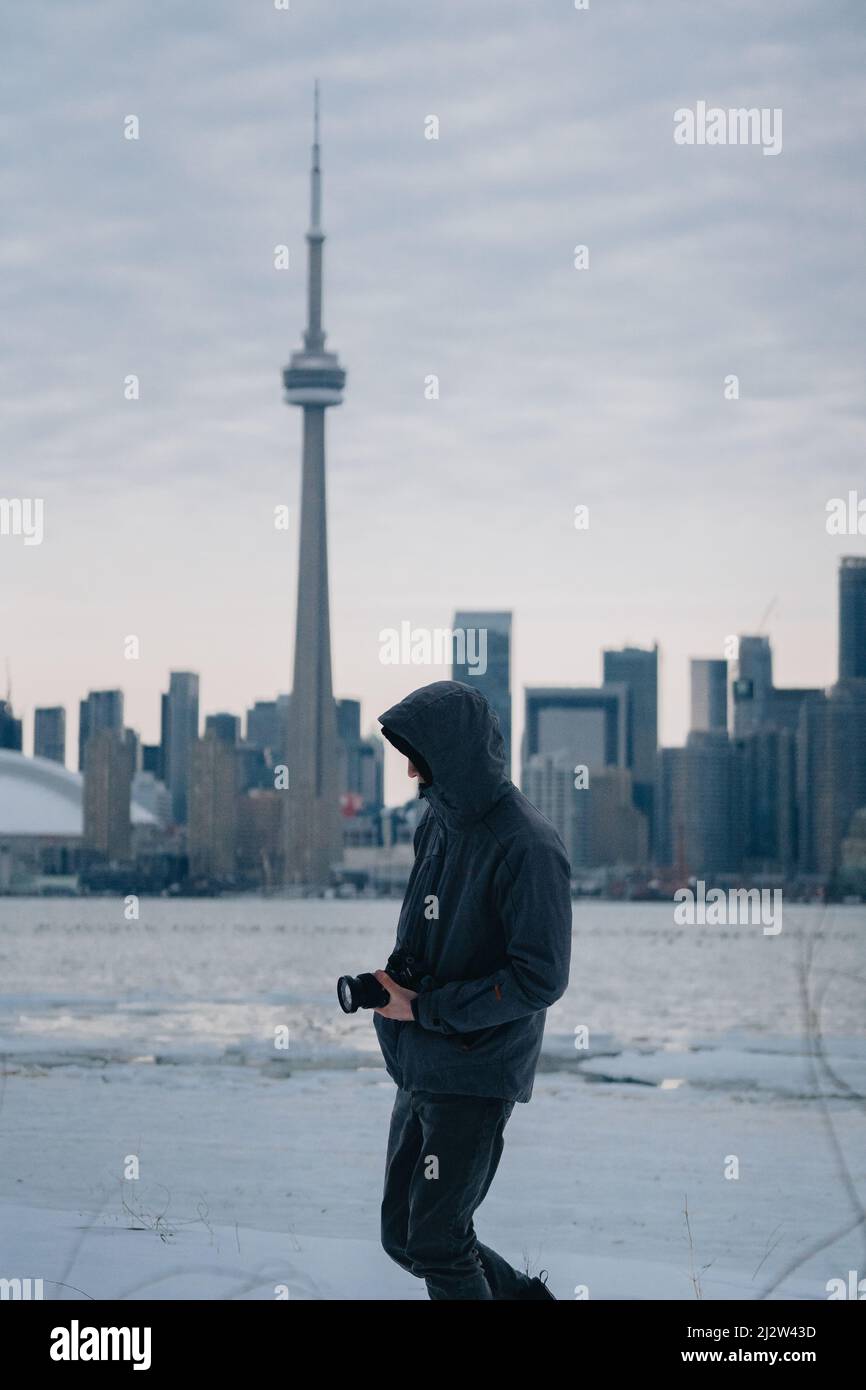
(709, 683)
(181, 732)
(708, 815)
(753, 684)
(495, 681)
(638, 670)
(669, 802)
(548, 780)
(10, 727)
(758, 703)
(567, 728)
(212, 808)
(361, 764)
(266, 724)
(587, 723)
(103, 709)
(831, 772)
(49, 734)
(852, 617)
(108, 771)
(226, 727)
(764, 808)
(698, 808)
(313, 380)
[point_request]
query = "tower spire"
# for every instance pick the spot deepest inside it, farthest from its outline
(316, 172)
(314, 336)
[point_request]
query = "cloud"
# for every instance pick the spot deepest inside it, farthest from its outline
(452, 257)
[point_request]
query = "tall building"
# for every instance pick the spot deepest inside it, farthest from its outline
(108, 773)
(226, 727)
(262, 749)
(547, 779)
(10, 728)
(495, 681)
(212, 809)
(266, 724)
(758, 703)
(638, 670)
(712, 838)
(259, 836)
(698, 826)
(350, 747)
(163, 737)
(709, 689)
(752, 684)
(766, 800)
(372, 773)
(150, 794)
(587, 723)
(565, 730)
(852, 617)
(618, 833)
(361, 759)
(49, 733)
(313, 380)
(103, 709)
(348, 714)
(151, 759)
(180, 733)
(362, 766)
(783, 708)
(831, 774)
(669, 825)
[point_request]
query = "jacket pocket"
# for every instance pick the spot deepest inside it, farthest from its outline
(468, 1042)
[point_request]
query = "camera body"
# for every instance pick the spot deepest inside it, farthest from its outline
(405, 969)
(364, 991)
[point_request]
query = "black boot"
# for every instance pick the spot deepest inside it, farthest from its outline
(538, 1287)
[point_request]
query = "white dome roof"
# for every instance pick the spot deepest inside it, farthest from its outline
(41, 797)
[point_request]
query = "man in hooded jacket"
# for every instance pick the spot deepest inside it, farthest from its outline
(487, 913)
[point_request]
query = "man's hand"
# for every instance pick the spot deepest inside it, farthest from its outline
(399, 1006)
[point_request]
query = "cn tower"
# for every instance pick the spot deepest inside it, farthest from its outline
(314, 380)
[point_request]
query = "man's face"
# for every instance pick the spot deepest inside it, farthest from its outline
(413, 772)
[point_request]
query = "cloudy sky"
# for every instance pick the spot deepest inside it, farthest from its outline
(454, 257)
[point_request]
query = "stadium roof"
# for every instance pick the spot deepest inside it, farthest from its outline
(40, 797)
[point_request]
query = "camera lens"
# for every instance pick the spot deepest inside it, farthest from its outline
(345, 994)
(360, 992)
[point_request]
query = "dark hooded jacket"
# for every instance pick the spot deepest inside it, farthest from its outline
(487, 908)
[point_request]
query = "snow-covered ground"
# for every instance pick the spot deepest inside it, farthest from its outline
(260, 1169)
(248, 1183)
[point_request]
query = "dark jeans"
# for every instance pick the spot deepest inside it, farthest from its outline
(428, 1206)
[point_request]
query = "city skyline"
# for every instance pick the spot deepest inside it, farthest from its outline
(520, 695)
(159, 512)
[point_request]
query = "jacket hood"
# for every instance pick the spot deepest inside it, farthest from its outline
(457, 734)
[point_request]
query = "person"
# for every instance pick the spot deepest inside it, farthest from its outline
(487, 919)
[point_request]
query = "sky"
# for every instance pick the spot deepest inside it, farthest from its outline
(559, 387)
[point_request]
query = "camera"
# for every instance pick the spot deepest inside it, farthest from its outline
(364, 991)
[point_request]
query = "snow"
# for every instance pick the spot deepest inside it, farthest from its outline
(249, 1182)
(259, 1167)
